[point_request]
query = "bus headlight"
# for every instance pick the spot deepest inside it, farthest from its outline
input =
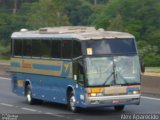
(136, 92)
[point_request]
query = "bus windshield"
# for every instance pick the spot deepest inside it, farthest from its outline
(112, 70)
(110, 46)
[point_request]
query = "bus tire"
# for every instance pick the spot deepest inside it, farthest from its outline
(72, 102)
(30, 100)
(119, 108)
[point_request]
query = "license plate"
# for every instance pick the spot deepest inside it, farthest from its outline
(115, 101)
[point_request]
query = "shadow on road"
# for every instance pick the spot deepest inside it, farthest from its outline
(82, 111)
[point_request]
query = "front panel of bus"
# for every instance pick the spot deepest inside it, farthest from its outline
(112, 72)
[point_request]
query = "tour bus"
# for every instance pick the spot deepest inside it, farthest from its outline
(79, 66)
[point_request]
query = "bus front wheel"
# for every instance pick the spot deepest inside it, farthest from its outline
(72, 102)
(30, 100)
(119, 108)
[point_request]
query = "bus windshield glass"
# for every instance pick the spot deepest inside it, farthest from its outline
(109, 46)
(112, 70)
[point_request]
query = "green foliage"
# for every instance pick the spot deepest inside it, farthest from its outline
(9, 23)
(78, 12)
(47, 13)
(4, 51)
(116, 24)
(145, 49)
(152, 60)
(97, 1)
(138, 17)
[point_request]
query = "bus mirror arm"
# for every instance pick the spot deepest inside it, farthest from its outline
(80, 63)
(75, 77)
(80, 66)
(142, 66)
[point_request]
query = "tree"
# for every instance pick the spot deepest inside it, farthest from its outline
(12, 6)
(138, 17)
(116, 24)
(47, 13)
(95, 2)
(78, 12)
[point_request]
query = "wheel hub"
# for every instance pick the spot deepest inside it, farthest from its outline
(72, 102)
(29, 97)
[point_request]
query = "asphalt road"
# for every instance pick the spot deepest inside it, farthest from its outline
(15, 107)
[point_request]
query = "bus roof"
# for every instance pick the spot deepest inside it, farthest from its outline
(69, 32)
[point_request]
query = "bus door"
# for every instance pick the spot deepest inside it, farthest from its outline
(79, 77)
(78, 72)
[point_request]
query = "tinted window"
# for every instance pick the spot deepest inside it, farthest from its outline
(27, 47)
(46, 48)
(67, 49)
(17, 48)
(76, 49)
(36, 48)
(56, 49)
(112, 46)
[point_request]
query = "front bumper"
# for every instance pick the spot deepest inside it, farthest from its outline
(112, 100)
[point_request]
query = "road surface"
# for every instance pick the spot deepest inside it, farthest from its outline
(13, 106)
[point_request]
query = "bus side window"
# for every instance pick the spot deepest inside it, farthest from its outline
(76, 49)
(17, 48)
(36, 48)
(67, 49)
(27, 48)
(46, 49)
(56, 49)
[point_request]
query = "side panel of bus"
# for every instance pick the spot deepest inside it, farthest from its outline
(44, 86)
(47, 88)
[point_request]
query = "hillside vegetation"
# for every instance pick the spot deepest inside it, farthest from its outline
(138, 17)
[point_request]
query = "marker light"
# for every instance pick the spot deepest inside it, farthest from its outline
(92, 94)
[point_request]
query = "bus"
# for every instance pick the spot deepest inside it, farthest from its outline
(79, 66)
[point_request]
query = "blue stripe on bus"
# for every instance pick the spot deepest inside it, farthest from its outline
(15, 64)
(132, 89)
(46, 67)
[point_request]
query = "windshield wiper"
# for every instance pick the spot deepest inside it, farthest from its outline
(108, 78)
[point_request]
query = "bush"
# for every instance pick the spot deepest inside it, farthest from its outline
(152, 60)
(4, 51)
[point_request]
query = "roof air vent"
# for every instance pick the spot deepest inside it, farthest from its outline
(23, 30)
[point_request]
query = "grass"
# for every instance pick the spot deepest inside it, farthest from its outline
(152, 69)
(4, 61)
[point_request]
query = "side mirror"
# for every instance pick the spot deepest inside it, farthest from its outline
(142, 66)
